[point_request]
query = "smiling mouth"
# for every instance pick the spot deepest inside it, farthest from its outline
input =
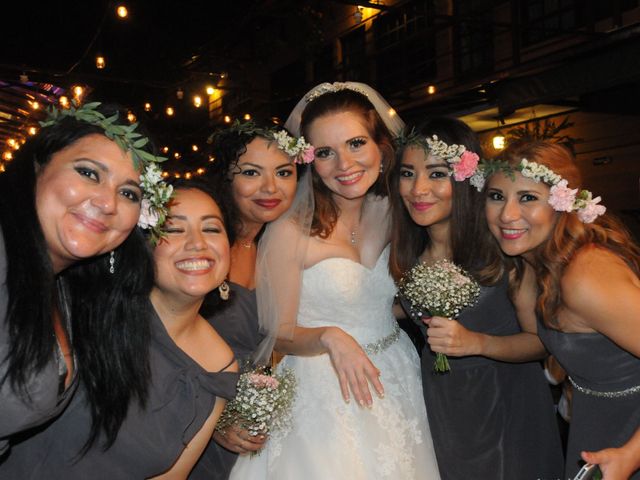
(421, 206)
(512, 233)
(350, 179)
(91, 224)
(194, 265)
(268, 203)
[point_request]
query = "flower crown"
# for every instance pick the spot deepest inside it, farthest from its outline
(155, 193)
(298, 148)
(561, 197)
(462, 162)
(331, 88)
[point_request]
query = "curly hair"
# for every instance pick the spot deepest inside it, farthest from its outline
(326, 211)
(568, 234)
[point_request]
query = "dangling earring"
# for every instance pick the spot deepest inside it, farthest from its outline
(112, 262)
(381, 167)
(223, 289)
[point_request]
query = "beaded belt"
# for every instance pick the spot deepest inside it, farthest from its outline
(615, 394)
(382, 344)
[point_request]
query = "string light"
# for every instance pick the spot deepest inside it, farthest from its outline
(197, 101)
(227, 119)
(165, 149)
(131, 117)
(34, 105)
(212, 158)
(210, 90)
(32, 130)
(176, 155)
(100, 62)
(64, 101)
(247, 116)
(165, 174)
(200, 171)
(498, 141)
(122, 11)
(177, 175)
(194, 148)
(77, 91)
(7, 156)
(11, 142)
(431, 89)
(147, 107)
(169, 111)
(187, 175)
(179, 93)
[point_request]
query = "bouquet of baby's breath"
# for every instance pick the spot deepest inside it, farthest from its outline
(442, 289)
(263, 402)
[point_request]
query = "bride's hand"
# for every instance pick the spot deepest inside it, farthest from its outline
(354, 369)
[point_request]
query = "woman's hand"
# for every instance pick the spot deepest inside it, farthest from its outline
(354, 369)
(238, 440)
(615, 463)
(448, 336)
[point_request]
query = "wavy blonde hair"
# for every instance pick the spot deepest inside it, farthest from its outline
(569, 234)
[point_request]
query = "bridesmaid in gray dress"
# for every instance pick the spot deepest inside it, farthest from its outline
(582, 271)
(75, 274)
(491, 415)
(261, 179)
(191, 367)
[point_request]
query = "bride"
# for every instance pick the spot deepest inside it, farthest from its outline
(324, 288)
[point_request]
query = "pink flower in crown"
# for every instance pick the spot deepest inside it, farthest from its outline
(592, 211)
(308, 155)
(562, 197)
(466, 167)
(260, 381)
(148, 218)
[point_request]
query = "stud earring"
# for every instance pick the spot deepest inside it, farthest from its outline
(223, 290)
(112, 262)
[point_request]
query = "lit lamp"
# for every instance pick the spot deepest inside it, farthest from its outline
(431, 89)
(194, 148)
(210, 90)
(227, 119)
(100, 62)
(169, 111)
(131, 117)
(498, 141)
(197, 101)
(247, 116)
(147, 107)
(122, 11)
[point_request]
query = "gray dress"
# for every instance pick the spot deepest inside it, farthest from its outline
(181, 397)
(237, 323)
(491, 419)
(45, 396)
(605, 407)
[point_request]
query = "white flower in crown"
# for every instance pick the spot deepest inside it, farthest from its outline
(299, 148)
(538, 172)
(449, 153)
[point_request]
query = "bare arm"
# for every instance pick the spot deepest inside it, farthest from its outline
(451, 338)
(601, 293)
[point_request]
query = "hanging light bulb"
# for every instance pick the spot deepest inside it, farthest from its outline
(32, 130)
(227, 119)
(7, 156)
(34, 105)
(100, 62)
(165, 149)
(210, 90)
(200, 171)
(64, 101)
(197, 101)
(498, 141)
(131, 117)
(147, 107)
(169, 111)
(187, 175)
(122, 11)
(194, 147)
(179, 93)
(431, 89)
(247, 116)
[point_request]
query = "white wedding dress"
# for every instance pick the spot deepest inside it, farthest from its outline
(328, 438)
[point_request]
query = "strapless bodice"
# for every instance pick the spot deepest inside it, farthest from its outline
(344, 293)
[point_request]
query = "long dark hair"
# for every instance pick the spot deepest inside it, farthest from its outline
(409, 240)
(109, 313)
(326, 211)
